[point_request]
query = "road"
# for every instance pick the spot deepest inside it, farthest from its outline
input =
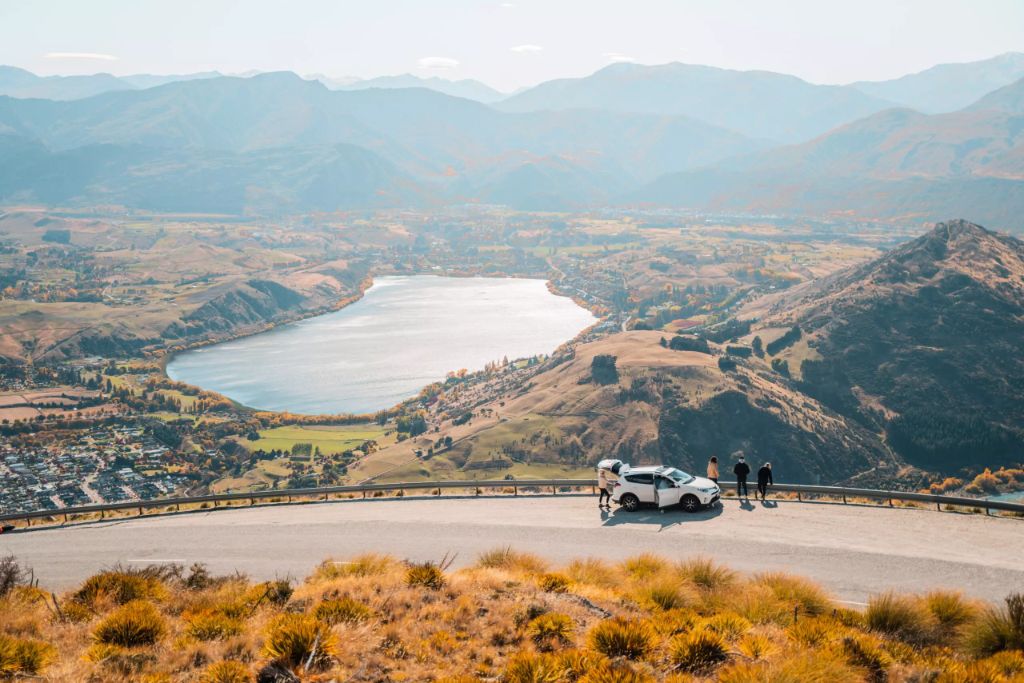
(853, 550)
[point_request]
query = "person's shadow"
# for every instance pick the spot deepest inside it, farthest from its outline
(769, 504)
(746, 505)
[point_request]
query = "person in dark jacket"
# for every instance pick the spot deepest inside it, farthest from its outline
(741, 470)
(764, 480)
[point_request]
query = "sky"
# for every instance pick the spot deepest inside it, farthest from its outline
(508, 44)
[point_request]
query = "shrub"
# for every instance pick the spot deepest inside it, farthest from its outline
(899, 616)
(551, 630)
(425, 574)
(27, 657)
(689, 343)
(210, 625)
(706, 574)
(12, 575)
(726, 364)
(622, 638)
(797, 591)
(698, 652)
(553, 583)
(226, 671)
(300, 640)
(134, 624)
(999, 629)
(342, 611)
(120, 586)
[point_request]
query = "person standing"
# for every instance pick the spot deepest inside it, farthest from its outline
(605, 499)
(764, 480)
(741, 470)
(713, 469)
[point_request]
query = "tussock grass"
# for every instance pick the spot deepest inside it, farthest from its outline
(511, 560)
(134, 624)
(620, 637)
(378, 618)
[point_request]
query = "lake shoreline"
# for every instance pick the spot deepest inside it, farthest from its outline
(239, 387)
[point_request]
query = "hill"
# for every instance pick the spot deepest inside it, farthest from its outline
(15, 82)
(466, 88)
(948, 87)
(758, 104)
(894, 163)
(922, 344)
(676, 407)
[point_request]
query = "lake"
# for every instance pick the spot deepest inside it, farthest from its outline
(405, 333)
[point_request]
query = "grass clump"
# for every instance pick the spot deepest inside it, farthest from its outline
(698, 652)
(300, 640)
(510, 560)
(212, 625)
(901, 617)
(361, 566)
(226, 671)
(425, 575)
(120, 586)
(620, 637)
(22, 657)
(797, 592)
(998, 629)
(553, 582)
(341, 611)
(666, 594)
(706, 574)
(551, 631)
(133, 625)
(527, 667)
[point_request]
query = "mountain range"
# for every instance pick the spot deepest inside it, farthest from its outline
(668, 135)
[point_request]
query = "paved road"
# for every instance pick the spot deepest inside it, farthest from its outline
(853, 550)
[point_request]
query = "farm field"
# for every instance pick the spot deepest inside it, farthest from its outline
(330, 439)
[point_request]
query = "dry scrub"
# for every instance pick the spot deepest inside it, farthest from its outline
(509, 618)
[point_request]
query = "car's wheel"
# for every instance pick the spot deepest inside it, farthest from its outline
(690, 503)
(630, 502)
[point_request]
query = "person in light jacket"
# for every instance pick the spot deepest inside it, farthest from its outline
(764, 480)
(605, 499)
(713, 469)
(741, 470)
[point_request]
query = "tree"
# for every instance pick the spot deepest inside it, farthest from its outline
(757, 347)
(603, 370)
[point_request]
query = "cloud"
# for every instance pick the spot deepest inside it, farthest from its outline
(99, 56)
(437, 63)
(527, 49)
(618, 57)
(508, 5)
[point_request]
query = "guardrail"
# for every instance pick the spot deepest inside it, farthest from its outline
(516, 485)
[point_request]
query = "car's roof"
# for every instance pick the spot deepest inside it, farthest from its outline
(648, 468)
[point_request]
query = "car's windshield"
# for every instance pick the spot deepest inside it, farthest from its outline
(679, 476)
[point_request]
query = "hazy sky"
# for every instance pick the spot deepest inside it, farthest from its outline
(508, 44)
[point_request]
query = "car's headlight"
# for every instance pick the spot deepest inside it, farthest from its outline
(713, 489)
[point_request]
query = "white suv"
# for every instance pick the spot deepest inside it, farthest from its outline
(660, 486)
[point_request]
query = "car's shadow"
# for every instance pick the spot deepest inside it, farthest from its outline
(672, 516)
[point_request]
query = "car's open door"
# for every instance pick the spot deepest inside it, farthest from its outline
(666, 493)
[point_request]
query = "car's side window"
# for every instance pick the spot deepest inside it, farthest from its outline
(640, 478)
(664, 483)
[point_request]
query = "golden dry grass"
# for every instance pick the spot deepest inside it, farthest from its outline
(509, 617)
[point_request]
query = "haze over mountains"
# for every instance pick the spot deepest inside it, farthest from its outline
(674, 134)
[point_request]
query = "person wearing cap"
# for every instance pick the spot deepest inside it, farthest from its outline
(741, 470)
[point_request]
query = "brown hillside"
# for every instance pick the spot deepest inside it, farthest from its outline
(925, 343)
(675, 407)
